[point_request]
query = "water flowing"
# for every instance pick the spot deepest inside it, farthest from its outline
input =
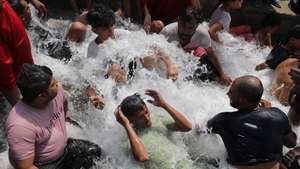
(198, 101)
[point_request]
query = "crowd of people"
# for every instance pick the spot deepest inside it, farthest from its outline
(253, 136)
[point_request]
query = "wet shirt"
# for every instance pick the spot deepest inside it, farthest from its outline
(37, 132)
(200, 38)
(277, 56)
(252, 137)
(222, 17)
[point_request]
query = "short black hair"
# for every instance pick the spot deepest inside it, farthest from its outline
(251, 88)
(17, 7)
(190, 14)
(101, 16)
(132, 104)
(32, 80)
(271, 20)
(294, 32)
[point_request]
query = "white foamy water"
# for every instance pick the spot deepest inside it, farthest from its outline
(199, 102)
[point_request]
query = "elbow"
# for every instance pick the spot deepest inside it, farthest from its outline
(187, 128)
(142, 158)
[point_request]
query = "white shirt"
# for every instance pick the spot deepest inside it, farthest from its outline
(200, 38)
(221, 16)
(95, 50)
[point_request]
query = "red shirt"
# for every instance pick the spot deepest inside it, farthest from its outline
(165, 10)
(15, 48)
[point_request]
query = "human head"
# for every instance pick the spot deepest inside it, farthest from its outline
(188, 21)
(36, 84)
(271, 22)
(232, 4)
(136, 111)
(245, 92)
(156, 26)
(102, 21)
(293, 42)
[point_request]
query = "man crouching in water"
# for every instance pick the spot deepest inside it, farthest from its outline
(36, 126)
(133, 114)
(253, 135)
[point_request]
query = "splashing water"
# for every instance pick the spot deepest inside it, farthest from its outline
(199, 102)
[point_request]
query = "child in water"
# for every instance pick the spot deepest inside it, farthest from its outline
(220, 19)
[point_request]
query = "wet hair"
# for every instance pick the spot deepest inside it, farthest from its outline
(101, 16)
(294, 32)
(132, 104)
(17, 7)
(251, 88)
(33, 80)
(190, 14)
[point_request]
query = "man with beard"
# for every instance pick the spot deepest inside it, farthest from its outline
(253, 135)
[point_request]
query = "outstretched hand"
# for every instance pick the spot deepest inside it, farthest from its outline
(120, 117)
(97, 101)
(158, 100)
(42, 9)
(172, 73)
(225, 80)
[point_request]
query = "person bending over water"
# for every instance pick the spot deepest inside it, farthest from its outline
(133, 114)
(36, 126)
(102, 21)
(253, 135)
(192, 36)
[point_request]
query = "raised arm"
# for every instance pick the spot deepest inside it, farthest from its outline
(137, 147)
(214, 30)
(181, 122)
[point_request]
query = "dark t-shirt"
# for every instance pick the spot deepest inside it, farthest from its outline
(277, 56)
(252, 137)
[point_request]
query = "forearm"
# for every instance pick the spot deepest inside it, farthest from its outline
(215, 61)
(214, 35)
(137, 147)
(166, 59)
(181, 121)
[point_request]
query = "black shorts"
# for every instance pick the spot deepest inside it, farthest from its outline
(79, 154)
(205, 71)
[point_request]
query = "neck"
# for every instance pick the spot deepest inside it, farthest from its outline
(249, 108)
(35, 104)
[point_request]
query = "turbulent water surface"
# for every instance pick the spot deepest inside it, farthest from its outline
(198, 101)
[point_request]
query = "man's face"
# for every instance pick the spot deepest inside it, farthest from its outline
(142, 119)
(294, 44)
(52, 90)
(185, 31)
(233, 95)
(104, 32)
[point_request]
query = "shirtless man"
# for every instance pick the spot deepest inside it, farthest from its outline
(282, 83)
